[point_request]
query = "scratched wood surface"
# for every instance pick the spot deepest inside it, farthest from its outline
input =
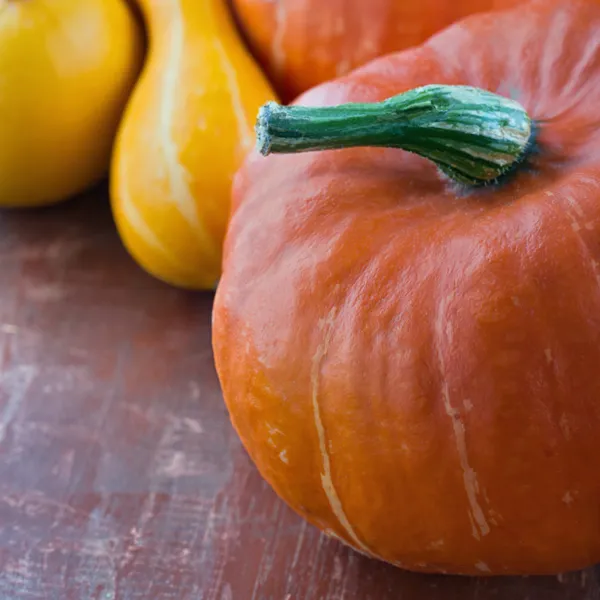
(120, 475)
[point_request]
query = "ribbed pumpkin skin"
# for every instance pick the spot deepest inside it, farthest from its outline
(302, 43)
(415, 370)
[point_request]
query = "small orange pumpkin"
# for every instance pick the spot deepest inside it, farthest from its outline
(302, 43)
(412, 363)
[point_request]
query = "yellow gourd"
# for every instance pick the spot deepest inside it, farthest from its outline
(187, 127)
(67, 68)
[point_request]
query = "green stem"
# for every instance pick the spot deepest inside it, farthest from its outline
(472, 135)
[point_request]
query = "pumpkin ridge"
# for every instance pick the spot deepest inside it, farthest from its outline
(244, 128)
(176, 173)
(326, 478)
(479, 524)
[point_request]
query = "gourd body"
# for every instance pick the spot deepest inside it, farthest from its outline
(66, 70)
(302, 43)
(412, 365)
(186, 129)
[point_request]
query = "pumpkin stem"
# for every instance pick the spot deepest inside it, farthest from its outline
(472, 135)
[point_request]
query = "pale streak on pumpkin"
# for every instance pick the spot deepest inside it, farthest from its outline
(243, 126)
(273, 431)
(332, 534)
(576, 227)
(326, 480)
(481, 566)
(134, 217)
(479, 524)
(563, 423)
(176, 173)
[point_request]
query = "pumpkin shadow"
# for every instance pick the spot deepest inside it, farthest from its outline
(78, 237)
(387, 582)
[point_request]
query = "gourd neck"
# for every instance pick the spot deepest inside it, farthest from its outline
(474, 136)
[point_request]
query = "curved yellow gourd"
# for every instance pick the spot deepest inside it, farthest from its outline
(188, 125)
(67, 68)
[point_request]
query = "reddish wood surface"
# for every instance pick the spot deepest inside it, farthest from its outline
(120, 475)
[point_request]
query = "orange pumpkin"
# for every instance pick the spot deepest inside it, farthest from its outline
(302, 43)
(411, 363)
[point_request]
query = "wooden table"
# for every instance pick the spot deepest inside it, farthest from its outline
(120, 475)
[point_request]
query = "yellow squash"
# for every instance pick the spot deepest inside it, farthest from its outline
(67, 68)
(187, 127)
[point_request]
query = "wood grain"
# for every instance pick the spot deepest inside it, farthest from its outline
(120, 475)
